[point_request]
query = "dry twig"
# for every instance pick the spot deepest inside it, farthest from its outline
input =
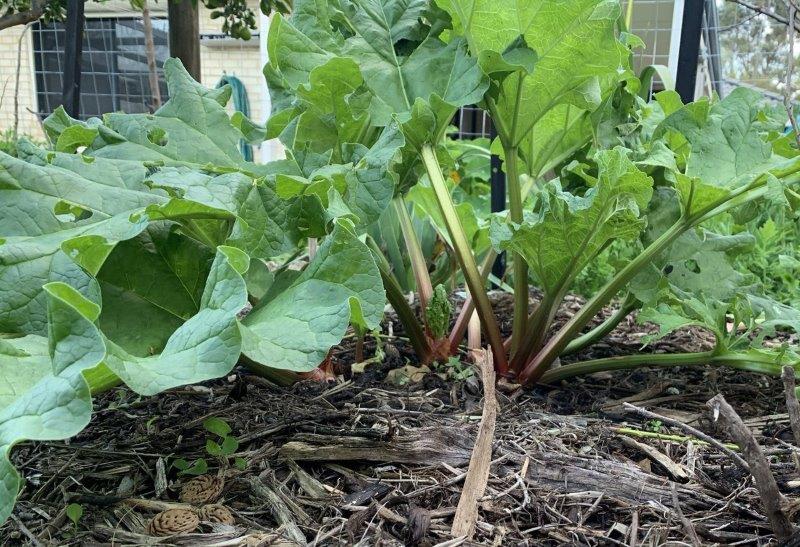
(759, 466)
(278, 508)
(479, 464)
(676, 470)
(687, 524)
(691, 431)
(763, 11)
(792, 405)
(16, 83)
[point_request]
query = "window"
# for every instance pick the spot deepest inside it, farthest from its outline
(114, 72)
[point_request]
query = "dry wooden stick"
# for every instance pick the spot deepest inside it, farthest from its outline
(474, 335)
(691, 431)
(759, 466)
(278, 508)
(24, 529)
(676, 470)
(16, 83)
(792, 405)
(633, 530)
(309, 484)
(687, 524)
(423, 445)
(478, 472)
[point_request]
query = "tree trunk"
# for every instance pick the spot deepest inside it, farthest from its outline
(184, 35)
(150, 51)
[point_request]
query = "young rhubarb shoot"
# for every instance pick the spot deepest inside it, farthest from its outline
(437, 313)
(465, 257)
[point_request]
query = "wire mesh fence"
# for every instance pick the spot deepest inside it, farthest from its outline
(753, 45)
(743, 43)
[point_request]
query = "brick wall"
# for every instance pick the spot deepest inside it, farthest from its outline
(233, 57)
(9, 53)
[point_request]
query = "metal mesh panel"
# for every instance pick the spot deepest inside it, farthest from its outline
(742, 43)
(754, 46)
(114, 66)
(654, 21)
(472, 123)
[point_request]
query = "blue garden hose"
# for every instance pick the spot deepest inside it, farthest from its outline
(242, 104)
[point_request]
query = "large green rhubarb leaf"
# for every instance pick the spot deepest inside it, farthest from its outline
(192, 127)
(565, 231)
(551, 61)
(44, 394)
(362, 187)
(188, 149)
(699, 262)
(295, 329)
(141, 311)
(385, 56)
(84, 204)
(334, 106)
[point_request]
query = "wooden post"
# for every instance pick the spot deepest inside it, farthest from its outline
(184, 34)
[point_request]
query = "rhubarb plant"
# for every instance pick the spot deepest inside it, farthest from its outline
(130, 251)
(589, 162)
(341, 74)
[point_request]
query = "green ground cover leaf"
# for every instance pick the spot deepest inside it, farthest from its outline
(43, 395)
(295, 329)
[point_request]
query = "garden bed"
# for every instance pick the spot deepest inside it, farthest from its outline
(365, 460)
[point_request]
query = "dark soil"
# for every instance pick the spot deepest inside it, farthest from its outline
(568, 463)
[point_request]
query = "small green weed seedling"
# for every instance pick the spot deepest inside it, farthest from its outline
(220, 445)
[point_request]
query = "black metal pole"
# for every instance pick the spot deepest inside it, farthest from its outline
(498, 203)
(73, 50)
(689, 54)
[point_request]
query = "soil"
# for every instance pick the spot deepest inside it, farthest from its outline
(364, 461)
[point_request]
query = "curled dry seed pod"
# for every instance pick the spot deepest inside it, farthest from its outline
(216, 513)
(202, 489)
(172, 522)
